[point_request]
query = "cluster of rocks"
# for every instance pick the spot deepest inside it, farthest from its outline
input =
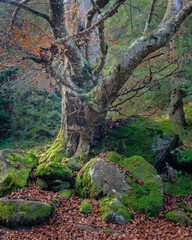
(100, 178)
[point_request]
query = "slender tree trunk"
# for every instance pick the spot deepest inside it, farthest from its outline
(176, 114)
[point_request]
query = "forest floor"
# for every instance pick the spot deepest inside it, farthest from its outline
(67, 223)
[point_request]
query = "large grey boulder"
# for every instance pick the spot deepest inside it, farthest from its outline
(15, 168)
(19, 212)
(100, 178)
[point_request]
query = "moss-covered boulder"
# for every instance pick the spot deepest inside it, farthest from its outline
(113, 211)
(66, 194)
(15, 168)
(86, 207)
(55, 176)
(146, 198)
(53, 170)
(179, 217)
(99, 178)
(18, 212)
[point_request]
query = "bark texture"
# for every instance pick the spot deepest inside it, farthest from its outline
(176, 115)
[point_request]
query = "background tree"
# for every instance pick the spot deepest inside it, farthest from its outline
(73, 53)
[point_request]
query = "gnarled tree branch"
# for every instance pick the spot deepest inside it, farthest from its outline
(134, 55)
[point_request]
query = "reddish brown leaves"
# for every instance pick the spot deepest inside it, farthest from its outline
(66, 220)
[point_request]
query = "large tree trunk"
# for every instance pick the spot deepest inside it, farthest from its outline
(80, 124)
(176, 114)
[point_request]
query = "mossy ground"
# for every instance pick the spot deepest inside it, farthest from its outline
(133, 138)
(42, 184)
(184, 158)
(181, 186)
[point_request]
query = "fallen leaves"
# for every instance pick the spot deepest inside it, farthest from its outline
(67, 223)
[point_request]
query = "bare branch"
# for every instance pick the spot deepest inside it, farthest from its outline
(96, 6)
(103, 50)
(16, 12)
(104, 16)
(28, 9)
(148, 23)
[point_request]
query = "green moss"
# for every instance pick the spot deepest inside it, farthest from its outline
(14, 178)
(133, 138)
(15, 213)
(53, 170)
(185, 208)
(42, 184)
(83, 185)
(57, 152)
(28, 159)
(66, 194)
(114, 157)
(139, 168)
(113, 208)
(86, 207)
(179, 217)
(146, 198)
(185, 158)
(72, 164)
(182, 186)
(56, 202)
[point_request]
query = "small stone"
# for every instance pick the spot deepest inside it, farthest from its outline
(86, 207)
(179, 217)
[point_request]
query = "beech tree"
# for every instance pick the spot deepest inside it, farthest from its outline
(76, 55)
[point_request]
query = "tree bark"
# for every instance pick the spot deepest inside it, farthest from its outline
(79, 124)
(176, 115)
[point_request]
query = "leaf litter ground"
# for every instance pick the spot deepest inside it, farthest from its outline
(67, 223)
